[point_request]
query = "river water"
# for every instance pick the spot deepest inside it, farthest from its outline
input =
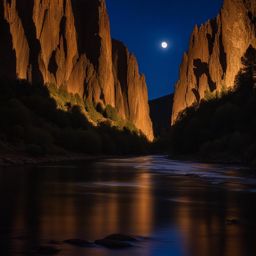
(173, 208)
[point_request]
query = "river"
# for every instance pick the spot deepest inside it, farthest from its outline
(172, 207)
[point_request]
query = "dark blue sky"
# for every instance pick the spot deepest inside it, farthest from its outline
(143, 24)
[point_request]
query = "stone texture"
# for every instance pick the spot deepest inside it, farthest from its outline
(68, 43)
(19, 40)
(131, 93)
(214, 56)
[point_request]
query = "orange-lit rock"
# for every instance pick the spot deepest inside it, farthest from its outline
(214, 56)
(19, 40)
(131, 89)
(68, 43)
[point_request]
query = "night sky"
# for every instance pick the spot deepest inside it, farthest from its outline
(143, 24)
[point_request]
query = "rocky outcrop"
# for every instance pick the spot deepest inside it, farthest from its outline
(131, 93)
(214, 56)
(68, 43)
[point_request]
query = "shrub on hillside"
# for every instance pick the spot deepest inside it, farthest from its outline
(111, 113)
(93, 113)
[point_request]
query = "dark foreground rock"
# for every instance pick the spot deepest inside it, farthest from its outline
(117, 241)
(79, 243)
(232, 222)
(113, 244)
(121, 237)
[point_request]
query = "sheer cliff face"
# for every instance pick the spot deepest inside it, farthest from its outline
(64, 56)
(214, 56)
(131, 89)
(68, 43)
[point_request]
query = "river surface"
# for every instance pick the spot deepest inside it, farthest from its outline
(174, 208)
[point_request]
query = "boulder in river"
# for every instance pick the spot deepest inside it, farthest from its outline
(232, 222)
(116, 241)
(79, 243)
(113, 244)
(122, 237)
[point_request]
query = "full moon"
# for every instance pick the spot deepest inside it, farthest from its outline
(164, 45)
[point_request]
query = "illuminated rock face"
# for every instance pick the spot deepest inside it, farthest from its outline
(131, 89)
(68, 43)
(214, 56)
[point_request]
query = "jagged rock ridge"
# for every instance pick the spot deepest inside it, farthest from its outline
(214, 56)
(68, 43)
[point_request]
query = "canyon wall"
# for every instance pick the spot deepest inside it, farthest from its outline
(68, 43)
(130, 89)
(214, 56)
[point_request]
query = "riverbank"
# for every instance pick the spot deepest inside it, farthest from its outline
(22, 159)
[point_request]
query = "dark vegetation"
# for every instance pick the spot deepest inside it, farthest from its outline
(222, 128)
(160, 113)
(32, 123)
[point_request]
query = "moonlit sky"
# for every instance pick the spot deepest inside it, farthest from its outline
(144, 24)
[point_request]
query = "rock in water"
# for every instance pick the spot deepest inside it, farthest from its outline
(214, 57)
(116, 241)
(232, 222)
(79, 243)
(113, 244)
(121, 237)
(68, 43)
